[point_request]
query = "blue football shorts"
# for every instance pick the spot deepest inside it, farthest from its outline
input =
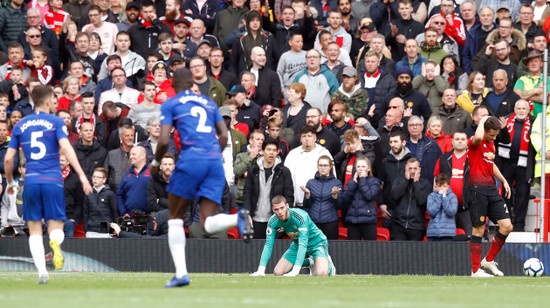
(198, 178)
(43, 201)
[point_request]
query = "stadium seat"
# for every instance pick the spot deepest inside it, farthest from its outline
(342, 233)
(382, 234)
(233, 234)
(79, 231)
(460, 231)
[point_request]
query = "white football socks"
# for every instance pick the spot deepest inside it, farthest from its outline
(220, 222)
(57, 235)
(176, 242)
(36, 246)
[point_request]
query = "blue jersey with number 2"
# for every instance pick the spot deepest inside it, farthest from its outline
(195, 117)
(39, 134)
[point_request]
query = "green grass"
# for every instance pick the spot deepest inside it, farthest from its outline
(84, 289)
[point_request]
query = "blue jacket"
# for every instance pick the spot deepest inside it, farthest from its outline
(417, 66)
(359, 198)
(427, 152)
(320, 206)
(442, 210)
(132, 191)
(471, 47)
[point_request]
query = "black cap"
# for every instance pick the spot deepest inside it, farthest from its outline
(132, 4)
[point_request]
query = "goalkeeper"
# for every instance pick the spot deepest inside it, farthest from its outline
(309, 246)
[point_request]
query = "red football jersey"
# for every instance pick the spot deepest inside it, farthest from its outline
(481, 158)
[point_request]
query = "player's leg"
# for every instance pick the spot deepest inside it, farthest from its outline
(498, 211)
(57, 236)
(321, 256)
(176, 239)
(286, 263)
(211, 192)
(478, 215)
(54, 213)
(36, 246)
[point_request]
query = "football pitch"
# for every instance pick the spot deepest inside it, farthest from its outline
(122, 289)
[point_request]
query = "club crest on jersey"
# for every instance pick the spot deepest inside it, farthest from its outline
(489, 155)
(482, 218)
(293, 234)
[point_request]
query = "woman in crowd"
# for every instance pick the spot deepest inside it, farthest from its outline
(321, 198)
(71, 89)
(94, 51)
(474, 93)
(435, 131)
(454, 74)
(294, 114)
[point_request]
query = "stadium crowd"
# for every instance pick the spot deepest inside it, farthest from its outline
(358, 112)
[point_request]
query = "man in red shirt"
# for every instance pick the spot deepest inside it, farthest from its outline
(483, 197)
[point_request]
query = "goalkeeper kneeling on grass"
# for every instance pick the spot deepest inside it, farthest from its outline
(309, 246)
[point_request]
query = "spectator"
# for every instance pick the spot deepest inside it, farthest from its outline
(378, 84)
(294, 114)
(88, 115)
(40, 69)
(4, 142)
(539, 44)
(392, 121)
(90, 153)
(442, 207)
(454, 26)
(475, 92)
(275, 131)
(333, 52)
(15, 58)
(411, 195)
(76, 69)
(302, 161)
(100, 207)
(489, 64)
(217, 71)
(413, 59)
(26, 106)
(235, 141)
(203, 49)
(198, 33)
(448, 44)
(74, 196)
(150, 145)
(77, 54)
(431, 48)
(475, 39)
(537, 138)
(431, 84)
(11, 211)
(514, 37)
(351, 94)
(340, 122)
(48, 38)
(291, 62)
(359, 196)
(228, 20)
(345, 160)
(157, 196)
(268, 85)
(282, 31)
(361, 8)
(436, 132)
(245, 159)
(526, 23)
(468, 13)
(77, 9)
(208, 85)
(453, 117)
(144, 34)
(106, 13)
(106, 30)
(321, 82)
(120, 93)
(414, 100)
(453, 73)
(205, 11)
(349, 21)
(13, 20)
(266, 178)
(14, 87)
(132, 63)
(187, 49)
(378, 45)
(322, 198)
(501, 99)
(132, 192)
(334, 26)
(324, 137)
(66, 117)
(117, 163)
(141, 113)
(112, 114)
(172, 13)
(425, 149)
(241, 127)
(529, 86)
(338, 55)
(403, 28)
(362, 42)
(71, 90)
(517, 160)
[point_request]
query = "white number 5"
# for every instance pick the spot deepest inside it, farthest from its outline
(201, 128)
(37, 144)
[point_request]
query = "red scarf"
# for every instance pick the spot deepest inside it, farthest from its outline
(9, 69)
(504, 149)
(349, 170)
(65, 173)
(81, 120)
(250, 94)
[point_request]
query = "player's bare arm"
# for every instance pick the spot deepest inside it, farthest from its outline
(480, 131)
(499, 176)
(221, 128)
(8, 167)
(162, 147)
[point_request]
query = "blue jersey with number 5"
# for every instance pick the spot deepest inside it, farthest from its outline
(39, 134)
(195, 117)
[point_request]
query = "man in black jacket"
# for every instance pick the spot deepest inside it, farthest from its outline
(89, 152)
(268, 85)
(144, 34)
(411, 197)
(267, 178)
(157, 196)
(74, 197)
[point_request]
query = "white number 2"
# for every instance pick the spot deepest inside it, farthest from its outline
(201, 128)
(35, 143)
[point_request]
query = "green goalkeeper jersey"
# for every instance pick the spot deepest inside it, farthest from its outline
(300, 228)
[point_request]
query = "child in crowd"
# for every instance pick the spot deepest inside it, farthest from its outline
(100, 207)
(56, 17)
(442, 207)
(14, 87)
(38, 66)
(291, 62)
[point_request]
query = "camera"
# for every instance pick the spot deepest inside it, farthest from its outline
(136, 222)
